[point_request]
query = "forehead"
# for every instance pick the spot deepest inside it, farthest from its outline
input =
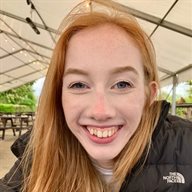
(102, 47)
(111, 35)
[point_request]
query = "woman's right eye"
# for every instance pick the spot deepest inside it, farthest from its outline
(78, 85)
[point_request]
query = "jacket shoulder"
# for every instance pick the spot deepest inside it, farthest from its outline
(173, 141)
(179, 122)
(12, 181)
(168, 165)
(20, 144)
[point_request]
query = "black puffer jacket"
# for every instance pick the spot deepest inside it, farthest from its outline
(168, 167)
(13, 179)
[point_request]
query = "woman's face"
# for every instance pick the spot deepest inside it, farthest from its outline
(103, 93)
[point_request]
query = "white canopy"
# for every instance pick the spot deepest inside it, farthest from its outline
(25, 55)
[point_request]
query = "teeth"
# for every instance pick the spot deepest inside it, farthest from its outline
(99, 134)
(102, 133)
(91, 131)
(105, 133)
(109, 133)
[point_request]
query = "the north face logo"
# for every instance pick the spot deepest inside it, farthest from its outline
(174, 177)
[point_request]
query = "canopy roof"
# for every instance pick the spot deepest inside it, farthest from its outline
(25, 55)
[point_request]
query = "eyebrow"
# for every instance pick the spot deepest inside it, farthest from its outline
(75, 71)
(115, 71)
(124, 69)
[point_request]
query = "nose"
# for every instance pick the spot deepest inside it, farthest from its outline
(101, 108)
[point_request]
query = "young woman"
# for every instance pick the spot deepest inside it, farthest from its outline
(99, 127)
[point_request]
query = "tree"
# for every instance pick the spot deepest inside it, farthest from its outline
(189, 91)
(22, 95)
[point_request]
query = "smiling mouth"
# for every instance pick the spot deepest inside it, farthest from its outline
(103, 132)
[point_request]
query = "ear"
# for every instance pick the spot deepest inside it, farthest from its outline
(153, 87)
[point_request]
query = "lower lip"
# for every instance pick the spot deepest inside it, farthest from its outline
(103, 140)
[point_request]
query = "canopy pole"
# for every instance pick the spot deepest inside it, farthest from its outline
(173, 107)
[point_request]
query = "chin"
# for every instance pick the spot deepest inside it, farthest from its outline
(102, 156)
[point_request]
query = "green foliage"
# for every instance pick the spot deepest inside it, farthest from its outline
(188, 99)
(10, 108)
(22, 96)
(181, 112)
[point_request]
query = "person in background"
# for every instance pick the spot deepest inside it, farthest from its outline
(100, 126)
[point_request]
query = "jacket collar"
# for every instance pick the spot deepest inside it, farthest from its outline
(165, 106)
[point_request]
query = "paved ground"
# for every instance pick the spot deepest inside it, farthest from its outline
(7, 158)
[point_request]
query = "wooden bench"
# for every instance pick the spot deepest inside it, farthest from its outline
(4, 126)
(3, 129)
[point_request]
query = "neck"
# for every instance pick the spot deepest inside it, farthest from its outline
(103, 164)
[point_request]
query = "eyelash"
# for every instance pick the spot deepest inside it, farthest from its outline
(75, 85)
(126, 83)
(81, 85)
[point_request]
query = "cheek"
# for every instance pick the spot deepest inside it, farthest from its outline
(132, 106)
(134, 111)
(133, 114)
(72, 108)
(134, 100)
(71, 116)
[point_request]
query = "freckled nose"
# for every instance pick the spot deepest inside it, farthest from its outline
(101, 108)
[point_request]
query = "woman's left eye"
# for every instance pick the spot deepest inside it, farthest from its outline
(122, 85)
